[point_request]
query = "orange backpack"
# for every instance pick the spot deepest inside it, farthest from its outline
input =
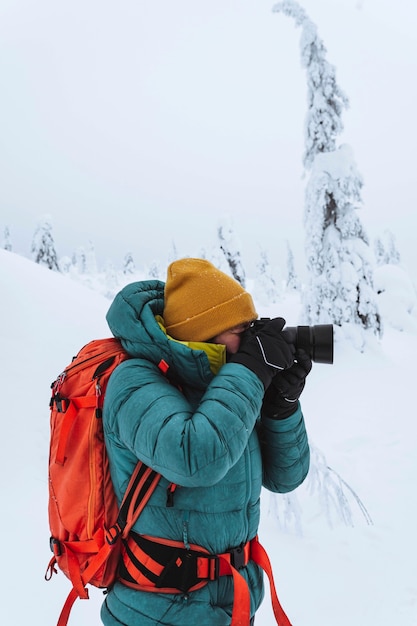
(85, 521)
(89, 532)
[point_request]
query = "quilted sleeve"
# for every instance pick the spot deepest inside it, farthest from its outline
(190, 446)
(285, 452)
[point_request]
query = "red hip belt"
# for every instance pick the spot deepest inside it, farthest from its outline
(158, 565)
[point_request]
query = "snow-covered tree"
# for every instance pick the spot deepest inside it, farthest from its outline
(292, 278)
(65, 264)
(218, 259)
(325, 99)
(379, 251)
(79, 260)
(154, 271)
(128, 264)
(338, 254)
(267, 288)
(43, 247)
(397, 297)
(230, 246)
(111, 282)
(385, 248)
(173, 253)
(6, 245)
(338, 257)
(90, 260)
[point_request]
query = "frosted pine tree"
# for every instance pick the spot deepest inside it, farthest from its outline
(267, 288)
(325, 99)
(339, 262)
(218, 259)
(394, 257)
(230, 246)
(154, 271)
(173, 253)
(293, 282)
(6, 245)
(65, 264)
(111, 283)
(90, 260)
(386, 251)
(379, 251)
(79, 260)
(338, 254)
(128, 264)
(43, 247)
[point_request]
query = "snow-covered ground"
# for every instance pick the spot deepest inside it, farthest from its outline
(360, 418)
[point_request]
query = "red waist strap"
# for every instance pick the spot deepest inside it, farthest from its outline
(211, 567)
(156, 565)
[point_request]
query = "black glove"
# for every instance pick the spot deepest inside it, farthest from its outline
(265, 352)
(281, 399)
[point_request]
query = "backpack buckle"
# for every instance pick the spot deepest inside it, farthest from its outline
(61, 404)
(55, 546)
(113, 534)
(238, 557)
(213, 567)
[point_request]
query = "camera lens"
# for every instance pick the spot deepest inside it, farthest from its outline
(317, 341)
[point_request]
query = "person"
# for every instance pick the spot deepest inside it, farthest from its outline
(218, 421)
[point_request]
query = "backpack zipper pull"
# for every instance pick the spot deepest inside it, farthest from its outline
(57, 384)
(99, 410)
(170, 494)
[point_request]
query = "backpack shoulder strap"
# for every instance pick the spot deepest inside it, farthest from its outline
(140, 488)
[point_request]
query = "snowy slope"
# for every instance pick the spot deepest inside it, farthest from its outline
(358, 415)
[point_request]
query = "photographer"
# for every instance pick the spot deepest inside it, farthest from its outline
(211, 402)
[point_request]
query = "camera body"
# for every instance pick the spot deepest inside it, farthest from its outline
(316, 340)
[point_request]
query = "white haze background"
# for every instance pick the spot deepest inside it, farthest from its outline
(138, 124)
(359, 416)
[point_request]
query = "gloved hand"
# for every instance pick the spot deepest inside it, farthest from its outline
(281, 399)
(265, 352)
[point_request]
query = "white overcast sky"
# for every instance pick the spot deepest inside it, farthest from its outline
(141, 123)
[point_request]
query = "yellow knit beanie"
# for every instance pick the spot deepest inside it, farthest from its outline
(202, 302)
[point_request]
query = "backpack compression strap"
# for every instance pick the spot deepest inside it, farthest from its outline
(79, 590)
(259, 555)
(140, 488)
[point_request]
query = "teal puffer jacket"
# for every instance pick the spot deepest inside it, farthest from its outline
(209, 439)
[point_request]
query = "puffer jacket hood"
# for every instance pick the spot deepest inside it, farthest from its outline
(132, 319)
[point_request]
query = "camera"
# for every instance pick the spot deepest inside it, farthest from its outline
(317, 340)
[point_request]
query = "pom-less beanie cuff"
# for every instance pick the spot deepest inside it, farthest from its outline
(216, 320)
(202, 302)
